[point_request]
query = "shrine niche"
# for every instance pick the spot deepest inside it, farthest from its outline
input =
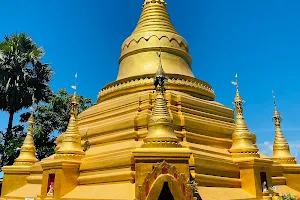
(50, 187)
(264, 182)
(165, 180)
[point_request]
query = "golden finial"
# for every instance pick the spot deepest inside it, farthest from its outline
(236, 82)
(74, 100)
(276, 117)
(27, 151)
(160, 127)
(242, 138)
(281, 149)
(71, 142)
(238, 100)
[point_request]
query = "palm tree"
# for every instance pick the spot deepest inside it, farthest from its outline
(22, 75)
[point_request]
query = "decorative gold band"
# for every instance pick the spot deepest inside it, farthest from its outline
(142, 83)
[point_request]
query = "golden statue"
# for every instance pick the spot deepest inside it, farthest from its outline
(156, 133)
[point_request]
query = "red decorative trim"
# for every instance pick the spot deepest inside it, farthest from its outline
(164, 170)
(175, 175)
(147, 188)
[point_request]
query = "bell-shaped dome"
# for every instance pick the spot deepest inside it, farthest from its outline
(154, 32)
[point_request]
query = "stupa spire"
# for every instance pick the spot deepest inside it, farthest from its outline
(154, 17)
(242, 145)
(281, 149)
(27, 151)
(71, 142)
(160, 127)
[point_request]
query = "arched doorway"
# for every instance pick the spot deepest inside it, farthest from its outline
(165, 183)
(165, 193)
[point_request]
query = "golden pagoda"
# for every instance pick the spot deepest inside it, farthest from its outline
(157, 133)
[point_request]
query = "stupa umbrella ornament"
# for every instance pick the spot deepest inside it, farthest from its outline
(238, 101)
(276, 117)
(160, 78)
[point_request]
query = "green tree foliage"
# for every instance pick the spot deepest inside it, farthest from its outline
(53, 117)
(10, 151)
(22, 75)
(287, 197)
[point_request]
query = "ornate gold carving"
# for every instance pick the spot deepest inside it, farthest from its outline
(68, 155)
(163, 169)
(23, 163)
(291, 160)
(242, 154)
(181, 43)
(136, 83)
(154, 1)
(161, 144)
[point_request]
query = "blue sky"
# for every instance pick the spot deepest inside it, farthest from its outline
(259, 40)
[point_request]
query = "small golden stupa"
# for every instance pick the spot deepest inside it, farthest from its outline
(156, 133)
(281, 149)
(243, 143)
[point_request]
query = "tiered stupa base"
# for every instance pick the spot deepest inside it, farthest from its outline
(116, 127)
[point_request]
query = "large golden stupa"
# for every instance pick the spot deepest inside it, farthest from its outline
(155, 133)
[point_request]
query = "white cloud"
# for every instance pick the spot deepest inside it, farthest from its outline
(267, 149)
(295, 149)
